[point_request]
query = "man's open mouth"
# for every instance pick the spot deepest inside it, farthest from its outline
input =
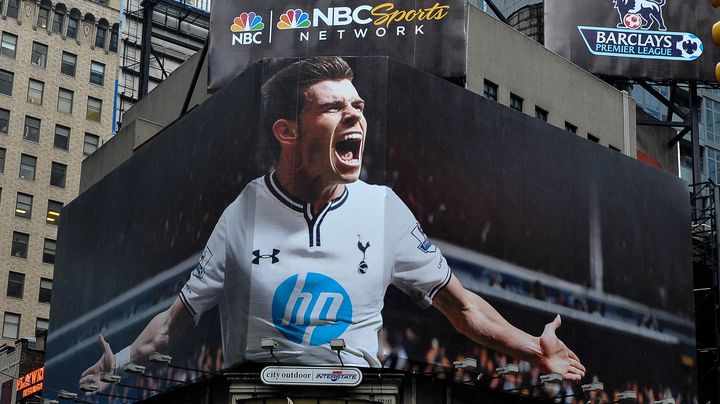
(348, 148)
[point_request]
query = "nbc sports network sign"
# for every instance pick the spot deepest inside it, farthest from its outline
(658, 39)
(427, 34)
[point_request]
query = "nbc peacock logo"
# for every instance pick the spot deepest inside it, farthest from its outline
(247, 29)
(294, 19)
(247, 22)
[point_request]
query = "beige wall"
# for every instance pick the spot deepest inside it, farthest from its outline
(523, 67)
(24, 27)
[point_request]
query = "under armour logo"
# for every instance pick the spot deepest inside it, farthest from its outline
(259, 256)
(363, 266)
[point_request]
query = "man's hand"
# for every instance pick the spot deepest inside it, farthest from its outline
(555, 357)
(106, 363)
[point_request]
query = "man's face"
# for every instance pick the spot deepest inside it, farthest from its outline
(332, 132)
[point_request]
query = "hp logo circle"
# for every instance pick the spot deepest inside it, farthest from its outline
(311, 309)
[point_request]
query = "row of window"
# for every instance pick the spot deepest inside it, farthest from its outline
(36, 91)
(31, 132)
(28, 169)
(39, 57)
(11, 321)
(58, 20)
(21, 242)
(16, 287)
(490, 91)
(24, 208)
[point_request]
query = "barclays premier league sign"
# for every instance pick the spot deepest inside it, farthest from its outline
(427, 34)
(657, 39)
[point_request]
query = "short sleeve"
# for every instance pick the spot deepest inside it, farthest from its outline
(419, 268)
(203, 289)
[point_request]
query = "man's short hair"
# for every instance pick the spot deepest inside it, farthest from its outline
(283, 94)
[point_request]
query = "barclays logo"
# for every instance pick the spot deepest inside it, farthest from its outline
(311, 309)
(633, 38)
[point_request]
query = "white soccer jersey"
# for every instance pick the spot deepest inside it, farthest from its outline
(276, 270)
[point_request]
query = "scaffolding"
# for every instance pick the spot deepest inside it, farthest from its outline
(177, 30)
(705, 200)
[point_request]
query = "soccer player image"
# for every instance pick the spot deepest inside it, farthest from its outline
(306, 253)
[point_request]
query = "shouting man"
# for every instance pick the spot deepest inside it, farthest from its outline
(305, 254)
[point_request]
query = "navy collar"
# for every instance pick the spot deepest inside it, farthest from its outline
(289, 200)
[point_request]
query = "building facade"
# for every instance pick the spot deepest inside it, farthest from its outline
(58, 63)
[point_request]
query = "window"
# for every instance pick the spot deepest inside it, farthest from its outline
(41, 326)
(100, 37)
(97, 73)
(12, 9)
(516, 102)
(45, 290)
(67, 66)
(94, 109)
(19, 246)
(91, 144)
(713, 163)
(6, 82)
(16, 284)
(62, 137)
(8, 44)
(57, 25)
(35, 92)
(2, 160)
(593, 138)
(43, 17)
(613, 147)
(570, 127)
(49, 251)
(39, 54)
(27, 167)
(4, 120)
(53, 213)
(712, 120)
(490, 90)
(58, 173)
(72, 27)
(65, 101)
(114, 39)
(11, 326)
(541, 114)
(32, 129)
(23, 205)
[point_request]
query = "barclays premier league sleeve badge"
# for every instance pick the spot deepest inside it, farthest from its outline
(641, 33)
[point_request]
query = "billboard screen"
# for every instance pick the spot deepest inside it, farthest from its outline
(204, 236)
(427, 34)
(655, 39)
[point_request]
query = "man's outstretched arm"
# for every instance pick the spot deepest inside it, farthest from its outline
(158, 336)
(479, 321)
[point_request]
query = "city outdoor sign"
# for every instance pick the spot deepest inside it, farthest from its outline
(427, 34)
(316, 376)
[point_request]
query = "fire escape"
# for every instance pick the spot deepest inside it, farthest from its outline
(177, 29)
(705, 199)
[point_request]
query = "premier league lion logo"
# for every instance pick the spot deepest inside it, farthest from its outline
(635, 14)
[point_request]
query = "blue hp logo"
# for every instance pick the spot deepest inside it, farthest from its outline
(311, 310)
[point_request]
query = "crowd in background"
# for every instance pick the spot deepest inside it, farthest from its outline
(397, 349)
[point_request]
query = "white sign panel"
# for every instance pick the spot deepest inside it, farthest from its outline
(316, 376)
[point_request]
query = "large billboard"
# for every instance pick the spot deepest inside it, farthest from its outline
(655, 39)
(206, 235)
(428, 34)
